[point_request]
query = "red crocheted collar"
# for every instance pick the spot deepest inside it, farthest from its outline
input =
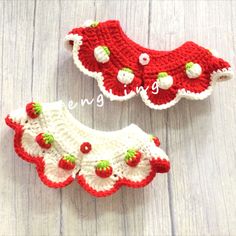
(123, 68)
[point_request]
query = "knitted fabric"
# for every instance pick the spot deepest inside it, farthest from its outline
(64, 149)
(123, 68)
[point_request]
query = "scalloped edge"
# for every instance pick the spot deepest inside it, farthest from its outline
(225, 73)
(38, 161)
(77, 42)
(118, 184)
(125, 182)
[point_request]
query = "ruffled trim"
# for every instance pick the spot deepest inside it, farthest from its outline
(215, 69)
(38, 161)
(119, 183)
(154, 161)
(98, 76)
(219, 75)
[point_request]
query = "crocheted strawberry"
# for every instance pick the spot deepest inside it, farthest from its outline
(67, 162)
(102, 54)
(165, 81)
(193, 70)
(103, 169)
(155, 140)
(162, 78)
(132, 157)
(33, 109)
(45, 140)
(125, 76)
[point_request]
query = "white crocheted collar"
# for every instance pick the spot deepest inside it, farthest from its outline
(64, 149)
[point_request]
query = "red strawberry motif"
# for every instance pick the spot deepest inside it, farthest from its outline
(33, 109)
(67, 162)
(155, 140)
(44, 140)
(103, 169)
(132, 157)
(85, 147)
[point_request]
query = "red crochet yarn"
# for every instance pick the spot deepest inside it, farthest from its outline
(133, 157)
(118, 184)
(93, 173)
(33, 110)
(67, 162)
(40, 167)
(122, 67)
(103, 169)
(85, 147)
(156, 141)
(42, 140)
(38, 161)
(161, 166)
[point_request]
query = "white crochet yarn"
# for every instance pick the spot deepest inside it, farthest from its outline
(214, 52)
(216, 76)
(165, 82)
(101, 54)
(89, 23)
(144, 59)
(77, 42)
(194, 71)
(125, 76)
(69, 134)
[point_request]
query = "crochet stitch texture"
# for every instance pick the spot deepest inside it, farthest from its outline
(123, 68)
(63, 149)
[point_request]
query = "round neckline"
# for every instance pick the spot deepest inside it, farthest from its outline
(154, 53)
(68, 117)
(54, 173)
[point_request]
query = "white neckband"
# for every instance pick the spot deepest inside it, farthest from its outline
(133, 155)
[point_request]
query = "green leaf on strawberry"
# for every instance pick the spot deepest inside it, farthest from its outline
(103, 169)
(189, 65)
(33, 109)
(48, 138)
(37, 108)
(132, 157)
(44, 140)
(106, 49)
(162, 75)
(127, 69)
(67, 162)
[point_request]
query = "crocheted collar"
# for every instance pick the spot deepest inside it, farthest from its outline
(64, 149)
(123, 68)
